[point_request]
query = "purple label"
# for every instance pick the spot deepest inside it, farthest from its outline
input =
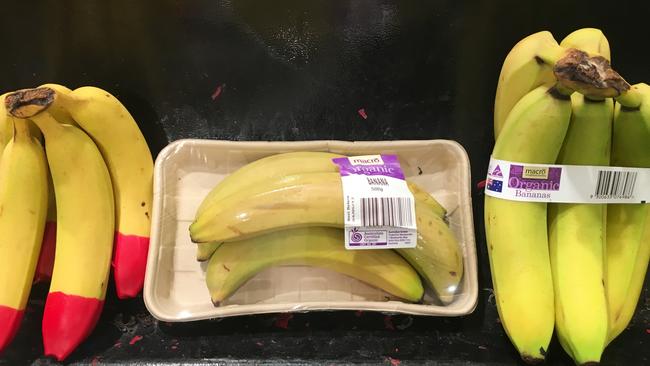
(534, 178)
(386, 165)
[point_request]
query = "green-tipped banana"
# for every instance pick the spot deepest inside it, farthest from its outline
(577, 238)
(235, 263)
(316, 199)
(590, 40)
(517, 231)
(253, 178)
(628, 248)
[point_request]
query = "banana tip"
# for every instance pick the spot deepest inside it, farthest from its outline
(129, 264)
(10, 319)
(67, 321)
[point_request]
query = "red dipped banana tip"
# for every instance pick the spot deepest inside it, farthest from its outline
(45, 263)
(129, 264)
(67, 321)
(10, 319)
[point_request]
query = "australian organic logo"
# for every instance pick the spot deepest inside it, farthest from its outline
(525, 179)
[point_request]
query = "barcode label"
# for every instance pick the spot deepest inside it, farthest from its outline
(385, 211)
(615, 184)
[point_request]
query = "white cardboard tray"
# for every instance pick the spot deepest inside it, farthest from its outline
(186, 170)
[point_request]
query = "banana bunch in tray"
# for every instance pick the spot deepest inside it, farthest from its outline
(76, 189)
(287, 209)
(576, 268)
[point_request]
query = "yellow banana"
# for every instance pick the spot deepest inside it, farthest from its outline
(527, 66)
(85, 224)
(6, 125)
(627, 224)
(235, 263)
(129, 161)
(522, 71)
(577, 238)
(516, 232)
(590, 40)
(316, 199)
(23, 206)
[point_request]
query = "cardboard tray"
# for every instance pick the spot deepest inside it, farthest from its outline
(186, 170)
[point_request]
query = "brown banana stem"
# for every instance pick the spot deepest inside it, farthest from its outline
(27, 103)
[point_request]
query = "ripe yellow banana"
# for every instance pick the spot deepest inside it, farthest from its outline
(590, 40)
(316, 199)
(23, 205)
(235, 263)
(577, 238)
(527, 66)
(85, 224)
(6, 125)
(521, 72)
(517, 231)
(129, 161)
(628, 248)
(45, 263)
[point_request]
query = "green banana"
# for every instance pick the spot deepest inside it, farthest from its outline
(516, 232)
(628, 224)
(235, 263)
(316, 199)
(250, 180)
(577, 238)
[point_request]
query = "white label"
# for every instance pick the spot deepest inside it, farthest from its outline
(379, 209)
(567, 183)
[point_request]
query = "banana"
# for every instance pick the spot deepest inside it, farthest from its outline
(45, 263)
(130, 164)
(521, 72)
(516, 232)
(268, 168)
(85, 225)
(23, 205)
(528, 66)
(577, 238)
(249, 179)
(316, 199)
(235, 263)
(6, 125)
(627, 224)
(590, 40)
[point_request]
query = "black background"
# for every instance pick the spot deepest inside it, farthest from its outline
(300, 70)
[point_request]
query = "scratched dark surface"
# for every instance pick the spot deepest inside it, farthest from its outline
(301, 70)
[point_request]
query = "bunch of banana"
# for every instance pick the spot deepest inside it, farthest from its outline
(575, 268)
(98, 193)
(287, 209)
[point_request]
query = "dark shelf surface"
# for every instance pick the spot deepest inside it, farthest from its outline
(300, 70)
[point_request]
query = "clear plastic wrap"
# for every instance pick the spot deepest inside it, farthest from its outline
(241, 281)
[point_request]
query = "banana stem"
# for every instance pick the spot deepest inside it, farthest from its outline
(33, 104)
(552, 54)
(21, 128)
(630, 99)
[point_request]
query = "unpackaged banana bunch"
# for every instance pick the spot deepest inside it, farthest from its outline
(98, 166)
(287, 209)
(575, 268)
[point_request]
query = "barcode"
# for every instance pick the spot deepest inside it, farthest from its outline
(615, 184)
(384, 211)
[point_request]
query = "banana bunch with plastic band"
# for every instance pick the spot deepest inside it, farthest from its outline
(574, 268)
(287, 209)
(75, 195)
